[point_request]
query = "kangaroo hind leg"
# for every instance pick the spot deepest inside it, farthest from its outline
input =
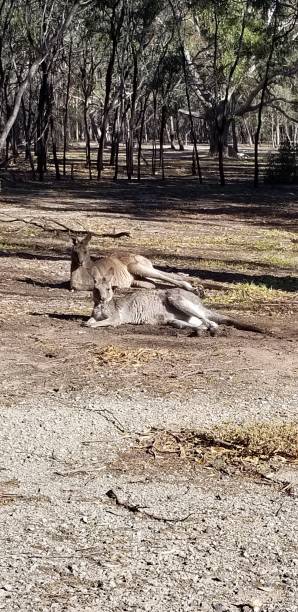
(194, 312)
(143, 284)
(148, 272)
(193, 323)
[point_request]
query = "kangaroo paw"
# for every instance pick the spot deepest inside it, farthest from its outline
(90, 323)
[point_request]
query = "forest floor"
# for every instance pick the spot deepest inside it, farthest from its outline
(109, 499)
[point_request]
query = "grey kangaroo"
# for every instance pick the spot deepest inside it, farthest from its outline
(128, 269)
(176, 307)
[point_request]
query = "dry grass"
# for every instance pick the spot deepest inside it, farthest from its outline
(252, 441)
(247, 293)
(114, 355)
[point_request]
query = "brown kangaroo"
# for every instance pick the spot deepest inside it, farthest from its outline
(128, 269)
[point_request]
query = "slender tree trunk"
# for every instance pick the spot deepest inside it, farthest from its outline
(249, 136)
(87, 139)
(77, 129)
(235, 137)
(28, 138)
(54, 147)
(154, 135)
(143, 115)
(65, 122)
(114, 138)
(172, 133)
(161, 139)
(263, 93)
(178, 132)
(130, 142)
(115, 32)
(193, 132)
(43, 123)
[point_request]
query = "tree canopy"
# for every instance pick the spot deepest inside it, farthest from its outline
(133, 70)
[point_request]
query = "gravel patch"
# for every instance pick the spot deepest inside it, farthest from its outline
(215, 543)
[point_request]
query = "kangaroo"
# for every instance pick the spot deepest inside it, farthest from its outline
(177, 307)
(128, 269)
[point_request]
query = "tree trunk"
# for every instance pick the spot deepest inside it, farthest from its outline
(143, 115)
(178, 132)
(114, 138)
(130, 142)
(54, 146)
(161, 139)
(65, 122)
(115, 32)
(42, 132)
(263, 93)
(216, 139)
(172, 133)
(28, 137)
(154, 135)
(87, 139)
(249, 136)
(235, 138)
(194, 136)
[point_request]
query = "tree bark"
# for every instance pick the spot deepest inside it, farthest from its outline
(161, 139)
(65, 122)
(114, 33)
(43, 123)
(263, 93)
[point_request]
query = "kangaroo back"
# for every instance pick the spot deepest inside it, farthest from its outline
(121, 277)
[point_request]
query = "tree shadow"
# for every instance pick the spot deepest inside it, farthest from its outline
(153, 199)
(285, 282)
(36, 283)
(33, 255)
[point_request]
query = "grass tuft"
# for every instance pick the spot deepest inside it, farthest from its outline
(246, 293)
(259, 441)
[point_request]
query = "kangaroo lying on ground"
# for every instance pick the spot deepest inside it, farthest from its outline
(176, 307)
(128, 269)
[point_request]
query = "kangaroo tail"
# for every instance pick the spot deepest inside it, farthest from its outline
(219, 318)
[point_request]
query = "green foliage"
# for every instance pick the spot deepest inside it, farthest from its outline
(283, 165)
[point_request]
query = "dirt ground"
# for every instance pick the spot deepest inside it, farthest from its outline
(242, 246)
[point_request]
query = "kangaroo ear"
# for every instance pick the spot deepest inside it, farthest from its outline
(86, 239)
(109, 274)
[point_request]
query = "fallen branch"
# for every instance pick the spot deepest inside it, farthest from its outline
(135, 508)
(110, 417)
(65, 229)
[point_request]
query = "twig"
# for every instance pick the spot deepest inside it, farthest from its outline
(112, 420)
(135, 508)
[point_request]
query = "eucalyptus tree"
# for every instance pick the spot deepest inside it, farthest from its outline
(225, 47)
(31, 34)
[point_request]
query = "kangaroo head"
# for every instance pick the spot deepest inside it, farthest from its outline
(103, 290)
(80, 253)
